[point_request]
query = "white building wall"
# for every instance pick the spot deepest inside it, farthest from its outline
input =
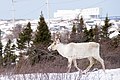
(72, 14)
(65, 14)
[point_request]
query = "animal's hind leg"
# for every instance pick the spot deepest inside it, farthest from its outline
(90, 65)
(101, 61)
(75, 64)
(69, 65)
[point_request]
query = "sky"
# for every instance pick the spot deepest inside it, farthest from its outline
(31, 9)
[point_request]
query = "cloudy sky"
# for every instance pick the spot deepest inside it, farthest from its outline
(31, 9)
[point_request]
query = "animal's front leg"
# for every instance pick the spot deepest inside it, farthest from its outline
(69, 65)
(75, 64)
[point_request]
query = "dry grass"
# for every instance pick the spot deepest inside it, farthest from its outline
(59, 65)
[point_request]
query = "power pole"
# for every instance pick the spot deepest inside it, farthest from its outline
(48, 12)
(13, 10)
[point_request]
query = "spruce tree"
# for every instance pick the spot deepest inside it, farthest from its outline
(91, 34)
(40, 42)
(86, 35)
(25, 37)
(80, 28)
(43, 35)
(74, 28)
(1, 58)
(9, 56)
(28, 33)
(104, 33)
(1, 47)
(96, 33)
(73, 34)
(80, 25)
(21, 44)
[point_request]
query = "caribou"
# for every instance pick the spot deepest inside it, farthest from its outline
(73, 51)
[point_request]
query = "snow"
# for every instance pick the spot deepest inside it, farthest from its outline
(110, 74)
(114, 34)
(6, 25)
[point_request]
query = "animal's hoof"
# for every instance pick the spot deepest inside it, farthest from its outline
(80, 71)
(84, 72)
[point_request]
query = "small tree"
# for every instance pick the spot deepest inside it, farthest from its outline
(27, 34)
(91, 34)
(9, 56)
(40, 42)
(1, 54)
(25, 37)
(74, 28)
(1, 47)
(73, 34)
(104, 32)
(43, 35)
(80, 25)
(80, 28)
(96, 33)
(86, 35)
(20, 43)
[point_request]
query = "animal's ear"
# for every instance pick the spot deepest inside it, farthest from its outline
(57, 35)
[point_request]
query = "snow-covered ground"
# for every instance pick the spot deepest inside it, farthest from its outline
(111, 74)
(6, 26)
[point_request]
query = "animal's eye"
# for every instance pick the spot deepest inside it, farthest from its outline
(55, 43)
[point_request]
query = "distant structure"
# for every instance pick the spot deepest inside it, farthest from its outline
(13, 10)
(73, 14)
